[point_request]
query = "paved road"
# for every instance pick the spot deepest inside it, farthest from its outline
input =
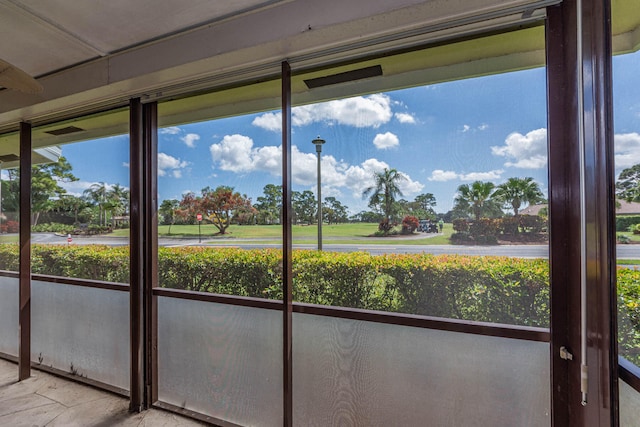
(520, 251)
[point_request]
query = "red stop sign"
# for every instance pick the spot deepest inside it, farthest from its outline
(199, 217)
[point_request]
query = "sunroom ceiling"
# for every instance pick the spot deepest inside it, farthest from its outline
(42, 37)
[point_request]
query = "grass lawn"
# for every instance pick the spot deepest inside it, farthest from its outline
(628, 261)
(336, 233)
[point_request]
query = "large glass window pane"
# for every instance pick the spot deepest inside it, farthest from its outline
(626, 109)
(9, 237)
(9, 201)
(220, 192)
(433, 182)
(80, 198)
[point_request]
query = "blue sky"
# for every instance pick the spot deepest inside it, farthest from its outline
(439, 136)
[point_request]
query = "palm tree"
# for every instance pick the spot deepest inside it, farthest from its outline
(118, 197)
(385, 190)
(477, 198)
(517, 191)
(97, 193)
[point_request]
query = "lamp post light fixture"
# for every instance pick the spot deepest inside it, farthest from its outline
(318, 143)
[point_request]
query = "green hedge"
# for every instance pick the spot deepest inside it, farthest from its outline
(624, 222)
(479, 288)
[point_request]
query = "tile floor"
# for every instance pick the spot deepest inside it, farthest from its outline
(47, 400)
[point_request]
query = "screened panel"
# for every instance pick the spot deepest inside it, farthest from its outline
(9, 289)
(83, 331)
(349, 372)
(221, 360)
(629, 400)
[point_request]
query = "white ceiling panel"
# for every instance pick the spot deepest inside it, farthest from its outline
(40, 37)
(35, 47)
(111, 25)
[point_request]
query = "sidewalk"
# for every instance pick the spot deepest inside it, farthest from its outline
(47, 400)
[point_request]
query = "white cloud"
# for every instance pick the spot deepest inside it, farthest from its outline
(190, 139)
(482, 176)
(466, 128)
(361, 111)
(443, 176)
(405, 118)
(524, 151)
(236, 153)
(171, 130)
(627, 150)
(483, 126)
(125, 164)
(383, 141)
(269, 121)
(167, 163)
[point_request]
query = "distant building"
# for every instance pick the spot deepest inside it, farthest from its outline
(533, 209)
(622, 208)
(627, 208)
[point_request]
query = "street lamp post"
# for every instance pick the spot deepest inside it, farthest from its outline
(318, 143)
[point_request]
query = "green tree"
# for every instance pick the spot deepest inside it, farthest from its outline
(118, 197)
(97, 194)
(385, 190)
(366, 216)
(628, 184)
(476, 199)
(168, 210)
(426, 202)
(518, 191)
(304, 206)
(269, 205)
(218, 205)
(334, 211)
(71, 206)
(45, 187)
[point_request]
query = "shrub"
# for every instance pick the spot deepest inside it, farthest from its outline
(532, 223)
(629, 314)
(508, 225)
(623, 239)
(484, 230)
(10, 227)
(477, 288)
(460, 237)
(460, 225)
(53, 227)
(492, 289)
(409, 224)
(386, 226)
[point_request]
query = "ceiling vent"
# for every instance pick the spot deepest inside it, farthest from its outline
(64, 131)
(348, 76)
(8, 158)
